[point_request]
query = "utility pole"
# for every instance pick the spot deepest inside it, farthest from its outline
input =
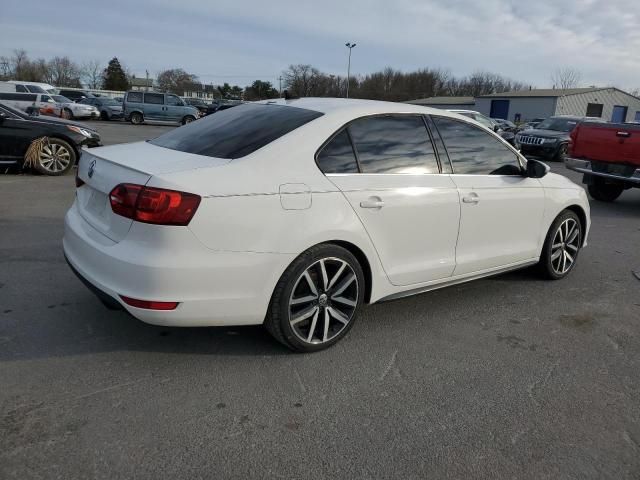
(350, 46)
(280, 87)
(146, 85)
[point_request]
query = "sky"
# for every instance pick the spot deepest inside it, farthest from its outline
(241, 41)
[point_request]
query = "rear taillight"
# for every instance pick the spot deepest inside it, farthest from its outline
(153, 205)
(79, 181)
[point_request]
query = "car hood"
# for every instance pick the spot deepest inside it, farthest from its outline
(56, 120)
(545, 133)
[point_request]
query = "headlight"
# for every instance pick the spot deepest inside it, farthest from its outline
(550, 140)
(79, 130)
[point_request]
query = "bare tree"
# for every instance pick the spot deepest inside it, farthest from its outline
(91, 74)
(566, 77)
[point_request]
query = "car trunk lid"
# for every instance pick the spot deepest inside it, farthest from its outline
(104, 168)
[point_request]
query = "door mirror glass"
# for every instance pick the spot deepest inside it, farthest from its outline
(537, 169)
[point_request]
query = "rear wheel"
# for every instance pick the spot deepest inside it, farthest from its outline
(316, 300)
(136, 118)
(67, 113)
(605, 192)
(56, 158)
(104, 115)
(188, 119)
(561, 246)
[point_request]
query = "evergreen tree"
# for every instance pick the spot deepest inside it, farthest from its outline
(113, 77)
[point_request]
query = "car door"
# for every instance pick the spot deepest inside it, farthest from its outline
(154, 106)
(15, 136)
(501, 209)
(388, 170)
(174, 108)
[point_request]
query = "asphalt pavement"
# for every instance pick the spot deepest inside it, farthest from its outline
(507, 377)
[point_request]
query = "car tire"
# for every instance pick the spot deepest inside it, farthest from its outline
(104, 116)
(561, 154)
(188, 119)
(67, 114)
(56, 158)
(311, 310)
(561, 246)
(137, 118)
(604, 192)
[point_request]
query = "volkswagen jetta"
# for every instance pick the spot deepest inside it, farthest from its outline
(296, 213)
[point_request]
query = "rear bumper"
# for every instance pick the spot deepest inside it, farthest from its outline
(169, 264)
(599, 169)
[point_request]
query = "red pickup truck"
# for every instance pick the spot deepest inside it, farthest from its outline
(609, 156)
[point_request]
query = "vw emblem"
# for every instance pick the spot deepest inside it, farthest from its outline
(92, 167)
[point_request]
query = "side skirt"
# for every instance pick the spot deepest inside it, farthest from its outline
(460, 279)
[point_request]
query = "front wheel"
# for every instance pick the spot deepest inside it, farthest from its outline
(316, 300)
(561, 154)
(188, 119)
(561, 247)
(67, 114)
(605, 192)
(136, 118)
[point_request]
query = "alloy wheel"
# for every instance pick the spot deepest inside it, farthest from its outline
(323, 300)
(54, 157)
(565, 246)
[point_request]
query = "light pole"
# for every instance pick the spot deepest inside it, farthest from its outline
(350, 46)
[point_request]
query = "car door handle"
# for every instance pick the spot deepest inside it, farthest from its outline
(471, 198)
(372, 202)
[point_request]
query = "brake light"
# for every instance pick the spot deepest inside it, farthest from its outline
(149, 304)
(153, 205)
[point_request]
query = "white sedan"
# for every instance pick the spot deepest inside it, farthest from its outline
(296, 213)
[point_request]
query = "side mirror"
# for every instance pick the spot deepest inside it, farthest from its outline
(2, 116)
(496, 128)
(537, 169)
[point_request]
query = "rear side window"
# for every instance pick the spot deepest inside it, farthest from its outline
(154, 98)
(134, 97)
(21, 88)
(337, 156)
(393, 144)
(473, 151)
(35, 89)
(236, 132)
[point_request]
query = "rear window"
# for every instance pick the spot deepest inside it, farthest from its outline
(236, 132)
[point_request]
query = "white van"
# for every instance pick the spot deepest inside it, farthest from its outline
(45, 104)
(34, 87)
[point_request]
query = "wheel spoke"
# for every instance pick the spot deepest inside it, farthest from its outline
(312, 286)
(325, 279)
(338, 315)
(304, 315)
(572, 247)
(346, 301)
(572, 236)
(556, 254)
(564, 261)
(327, 321)
(555, 246)
(312, 329)
(569, 257)
(307, 299)
(344, 284)
(337, 275)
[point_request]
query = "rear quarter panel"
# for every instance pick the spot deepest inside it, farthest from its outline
(613, 143)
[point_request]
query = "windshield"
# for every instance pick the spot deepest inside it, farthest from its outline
(558, 124)
(61, 99)
(236, 132)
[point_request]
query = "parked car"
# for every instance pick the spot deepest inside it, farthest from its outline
(8, 87)
(108, 108)
(35, 87)
(140, 107)
(608, 154)
(65, 139)
(198, 103)
(75, 95)
(32, 103)
(297, 213)
(550, 139)
(71, 110)
(488, 123)
(218, 107)
(505, 125)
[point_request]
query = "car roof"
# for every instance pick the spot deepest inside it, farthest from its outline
(352, 106)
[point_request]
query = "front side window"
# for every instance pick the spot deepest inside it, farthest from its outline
(173, 100)
(236, 132)
(46, 98)
(473, 151)
(393, 144)
(337, 156)
(154, 98)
